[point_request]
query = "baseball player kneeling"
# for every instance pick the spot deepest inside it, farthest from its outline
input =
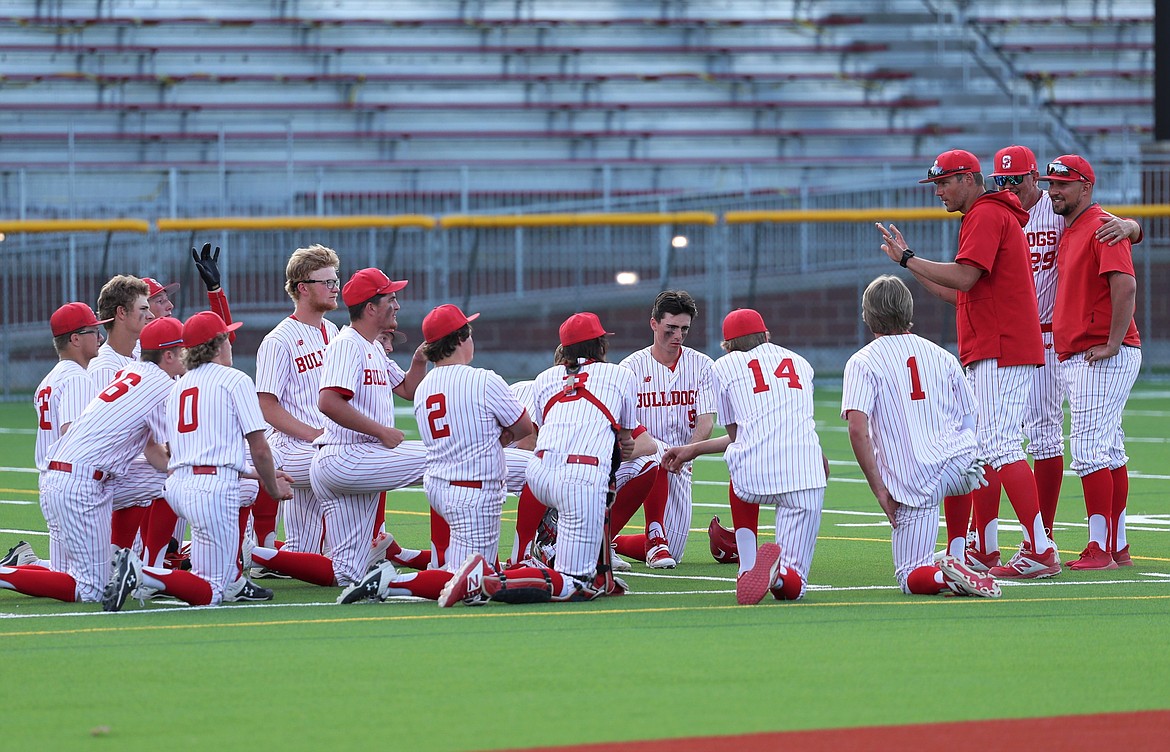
(212, 412)
(911, 419)
(465, 415)
(764, 395)
(585, 404)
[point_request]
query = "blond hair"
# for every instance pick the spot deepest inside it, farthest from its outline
(305, 261)
(887, 306)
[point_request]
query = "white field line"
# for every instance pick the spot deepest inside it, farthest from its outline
(1155, 577)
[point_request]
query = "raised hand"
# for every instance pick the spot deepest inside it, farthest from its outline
(208, 265)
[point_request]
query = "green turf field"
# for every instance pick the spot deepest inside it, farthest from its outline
(674, 658)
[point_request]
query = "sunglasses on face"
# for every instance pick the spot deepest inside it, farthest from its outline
(1063, 171)
(1002, 180)
(936, 172)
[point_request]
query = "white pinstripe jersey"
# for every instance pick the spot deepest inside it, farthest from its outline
(1044, 229)
(288, 366)
(767, 392)
(359, 368)
(60, 398)
(576, 425)
(523, 392)
(670, 399)
(115, 426)
(106, 366)
(209, 411)
(460, 411)
(915, 395)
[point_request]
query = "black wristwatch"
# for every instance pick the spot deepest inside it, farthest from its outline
(906, 256)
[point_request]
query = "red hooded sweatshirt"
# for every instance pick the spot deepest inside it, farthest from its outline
(998, 317)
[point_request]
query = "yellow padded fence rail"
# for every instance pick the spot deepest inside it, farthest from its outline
(13, 226)
(297, 223)
(453, 221)
(467, 221)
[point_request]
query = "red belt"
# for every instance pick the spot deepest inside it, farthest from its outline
(1046, 328)
(204, 469)
(65, 467)
(467, 483)
(576, 459)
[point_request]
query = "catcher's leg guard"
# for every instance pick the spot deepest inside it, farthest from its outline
(525, 589)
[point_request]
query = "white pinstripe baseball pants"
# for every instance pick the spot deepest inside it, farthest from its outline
(211, 503)
(798, 518)
(1000, 394)
(77, 510)
(473, 514)
(577, 492)
(349, 479)
(304, 527)
(1097, 395)
(1044, 411)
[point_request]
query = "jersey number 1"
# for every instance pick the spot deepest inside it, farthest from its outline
(786, 370)
(436, 413)
(916, 392)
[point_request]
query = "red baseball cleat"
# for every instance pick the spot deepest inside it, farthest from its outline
(1093, 558)
(1028, 565)
(753, 585)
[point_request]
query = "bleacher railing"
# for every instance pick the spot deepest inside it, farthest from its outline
(534, 264)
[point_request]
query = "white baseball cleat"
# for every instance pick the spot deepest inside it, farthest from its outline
(617, 563)
(658, 554)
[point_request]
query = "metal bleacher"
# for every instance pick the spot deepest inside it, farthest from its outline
(157, 108)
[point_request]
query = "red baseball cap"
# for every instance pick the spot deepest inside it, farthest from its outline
(71, 317)
(367, 283)
(1014, 160)
(204, 327)
(1069, 168)
(444, 320)
(581, 327)
(154, 287)
(159, 334)
(953, 162)
(742, 322)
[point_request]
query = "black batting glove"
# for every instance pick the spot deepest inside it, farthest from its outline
(208, 265)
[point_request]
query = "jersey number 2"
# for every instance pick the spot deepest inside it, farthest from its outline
(786, 370)
(436, 413)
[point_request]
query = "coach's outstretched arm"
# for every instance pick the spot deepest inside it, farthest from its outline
(941, 279)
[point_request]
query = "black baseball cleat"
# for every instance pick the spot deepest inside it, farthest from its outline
(127, 575)
(244, 590)
(19, 555)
